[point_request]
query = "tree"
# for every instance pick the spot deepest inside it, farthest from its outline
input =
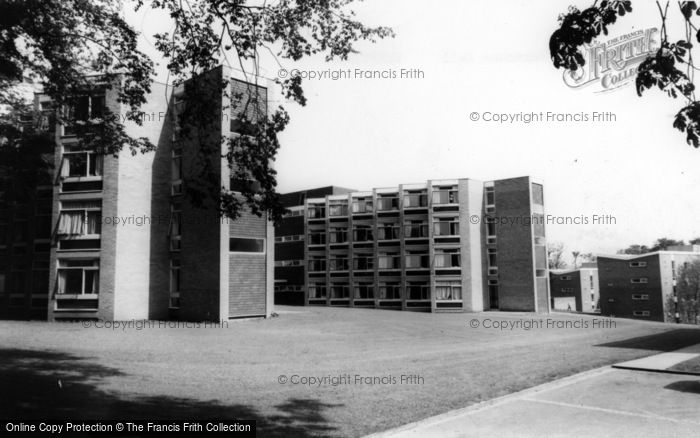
(688, 293)
(57, 44)
(670, 69)
(634, 249)
(555, 255)
(575, 255)
(664, 243)
(695, 241)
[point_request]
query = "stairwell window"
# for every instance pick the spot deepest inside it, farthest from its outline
(174, 284)
(247, 245)
(641, 280)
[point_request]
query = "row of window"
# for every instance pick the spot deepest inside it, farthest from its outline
(444, 258)
(387, 231)
(444, 291)
(292, 238)
(383, 203)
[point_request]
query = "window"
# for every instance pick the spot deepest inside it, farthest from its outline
(337, 208)
(340, 291)
(364, 291)
(388, 231)
(317, 291)
(418, 291)
(317, 264)
(643, 297)
(565, 278)
(389, 291)
(363, 262)
(446, 226)
(387, 203)
(176, 170)
(291, 238)
(82, 109)
(417, 260)
(317, 211)
(490, 198)
(81, 164)
(2, 282)
(174, 284)
(338, 263)
(567, 290)
(490, 230)
(638, 264)
(338, 235)
(288, 263)
(362, 205)
(447, 258)
(415, 229)
(42, 227)
(445, 195)
(492, 255)
(317, 238)
(590, 278)
(448, 291)
(78, 277)
(415, 199)
(242, 244)
(80, 218)
(641, 313)
(537, 194)
(362, 233)
(641, 280)
(389, 261)
(175, 227)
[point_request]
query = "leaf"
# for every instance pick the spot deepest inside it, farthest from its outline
(687, 9)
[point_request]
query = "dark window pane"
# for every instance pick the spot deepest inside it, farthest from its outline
(246, 245)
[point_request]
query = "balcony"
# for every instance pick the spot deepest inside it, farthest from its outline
(418, 292)
(337, 236)
(389, 292)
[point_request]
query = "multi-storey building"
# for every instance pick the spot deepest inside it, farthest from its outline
(642, 286)
(575, 289)
(125, 243)
(289, 245)
(443, 245)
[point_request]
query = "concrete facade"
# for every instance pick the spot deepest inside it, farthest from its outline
(424, 247)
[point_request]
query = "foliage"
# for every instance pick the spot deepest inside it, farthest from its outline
(72, 47)
(688, 293)
(555, 255)
(670, 69)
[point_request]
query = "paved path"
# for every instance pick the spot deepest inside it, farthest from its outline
(661, 362)
(605, 402)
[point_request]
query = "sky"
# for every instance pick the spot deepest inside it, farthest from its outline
(632, 167)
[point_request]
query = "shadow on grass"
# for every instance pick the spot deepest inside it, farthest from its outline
(40, 386)
(689, 386)
(667, 341)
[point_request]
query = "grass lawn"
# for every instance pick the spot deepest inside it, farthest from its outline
(233, 372)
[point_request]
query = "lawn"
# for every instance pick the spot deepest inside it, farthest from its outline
(177, 373)
(689, 366)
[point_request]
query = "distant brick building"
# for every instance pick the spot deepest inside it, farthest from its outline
(575, 290)
(422, 247)
(639, 286)
(122, 240)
